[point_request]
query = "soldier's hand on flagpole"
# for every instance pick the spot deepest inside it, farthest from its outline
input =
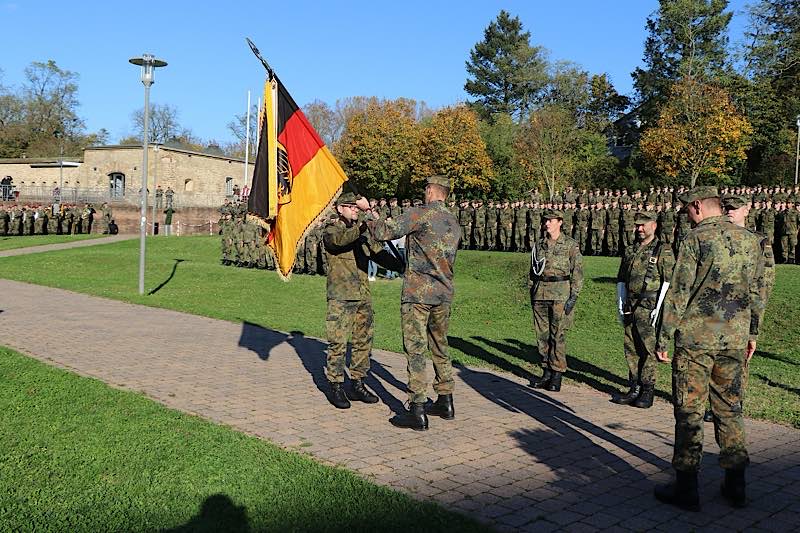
(663, 357)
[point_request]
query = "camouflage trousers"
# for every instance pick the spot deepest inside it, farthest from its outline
(519, 238)
(550, 324)
(353, 319)
(582, 236)
(227, 248)
(490, 237)
(477, 235)
(719, 376)
(640, 346)
(425, 327)
(612, 240)
(504, 238)
(465, 237)
(788, 246)
(597, 241)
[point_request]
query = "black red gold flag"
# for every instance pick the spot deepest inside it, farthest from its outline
(296, 177)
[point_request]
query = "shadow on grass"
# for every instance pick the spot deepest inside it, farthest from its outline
(218, 513)
(778, 385)
(171, 275)
(776, 357)
(604, 279)
(577, 460)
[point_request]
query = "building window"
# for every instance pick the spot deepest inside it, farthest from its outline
(228, 186)
(116, 185)
(188, 185)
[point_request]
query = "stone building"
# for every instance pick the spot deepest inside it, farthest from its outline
(114, 173)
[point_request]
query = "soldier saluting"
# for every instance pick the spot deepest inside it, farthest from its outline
(555, 279)
(642, 283)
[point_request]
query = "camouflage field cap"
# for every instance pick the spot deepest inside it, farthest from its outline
(699, 193)
(441, 181)
(643, 217)
(735, 201)
(347, 198)
(552, 213)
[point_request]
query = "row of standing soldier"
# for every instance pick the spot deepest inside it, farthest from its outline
(64, 219)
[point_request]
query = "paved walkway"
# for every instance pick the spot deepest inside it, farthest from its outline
(514, 457)
(65, 245)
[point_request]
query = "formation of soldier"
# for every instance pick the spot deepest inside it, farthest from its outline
(63, 219)
(602, 221)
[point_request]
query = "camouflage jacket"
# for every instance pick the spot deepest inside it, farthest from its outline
(431, 244)
(633, 272)
(714, 301)
(348, 252)
(562, 260)
(767, 281)
(465, 215)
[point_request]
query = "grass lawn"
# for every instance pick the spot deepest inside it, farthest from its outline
(9, 243)
(77, 455)
(491, 318)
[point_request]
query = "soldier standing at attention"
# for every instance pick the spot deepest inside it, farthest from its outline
(464, 220)
(506, 223)
(555, 279)
(490, 226)
(432, 236)
(642, 283)
(349, 302)
(520, 225)
(712, 312)
(479, 225)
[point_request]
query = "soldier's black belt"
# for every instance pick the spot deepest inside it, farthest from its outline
(643, 295)
(553, 278)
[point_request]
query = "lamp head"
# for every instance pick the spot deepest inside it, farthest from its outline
(149, 63)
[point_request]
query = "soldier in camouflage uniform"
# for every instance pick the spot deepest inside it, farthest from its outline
(612, 235)
(642, 282)
(520, 226)
(582, 219)
(478, 224)
(465, 221)
(490, 226)
(788, 223)
(4, 220)
(712, 312)
(226, 229)
(505, 226)
(432, 236)
(555, 280)
(349, 250)
(597, 225)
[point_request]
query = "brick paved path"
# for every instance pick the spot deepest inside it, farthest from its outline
(514, 457)
(65, 245)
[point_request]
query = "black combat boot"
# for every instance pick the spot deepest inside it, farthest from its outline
(544, 381)
(415, 418)
(359, 392)
(630, 397)
(442, 407)
(733, 487)
(555, 382)
(682, 492)
(337, 397)
(708, 416)
(645, 399)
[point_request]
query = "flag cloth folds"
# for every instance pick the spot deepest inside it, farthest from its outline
(295, 179)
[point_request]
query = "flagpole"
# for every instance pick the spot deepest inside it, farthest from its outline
(247, 142)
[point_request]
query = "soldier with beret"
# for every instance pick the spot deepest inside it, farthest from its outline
(432, 235)
(555, 280)
(712, 313)
(642, 283)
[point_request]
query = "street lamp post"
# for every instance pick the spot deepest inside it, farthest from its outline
(148, 63)
(797, 154)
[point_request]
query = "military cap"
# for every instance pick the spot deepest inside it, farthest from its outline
(643, 217)
(347, 198)
(735, 201)
(699, 193)
(441, 181)
(553, 213)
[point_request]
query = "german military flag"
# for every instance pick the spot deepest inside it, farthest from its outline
(296, 177)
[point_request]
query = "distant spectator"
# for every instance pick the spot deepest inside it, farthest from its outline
(169, 195)
(113, 229)
(159, 196)
(236, 192)
(168, 220)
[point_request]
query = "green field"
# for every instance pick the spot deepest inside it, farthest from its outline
(10, 243)
(491, 319)
(77, 455)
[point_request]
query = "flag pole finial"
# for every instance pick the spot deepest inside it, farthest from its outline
(258, 55)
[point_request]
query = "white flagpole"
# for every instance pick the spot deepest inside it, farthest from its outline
(247, 142)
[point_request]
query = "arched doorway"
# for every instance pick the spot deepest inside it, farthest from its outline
(116, 185)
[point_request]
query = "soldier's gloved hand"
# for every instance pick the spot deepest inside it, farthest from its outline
(570, 305)
(654, 317)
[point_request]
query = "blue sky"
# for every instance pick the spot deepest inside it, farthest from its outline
(321, 50)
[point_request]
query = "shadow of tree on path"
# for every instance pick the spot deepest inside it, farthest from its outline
(217, 513)
(171, 275)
